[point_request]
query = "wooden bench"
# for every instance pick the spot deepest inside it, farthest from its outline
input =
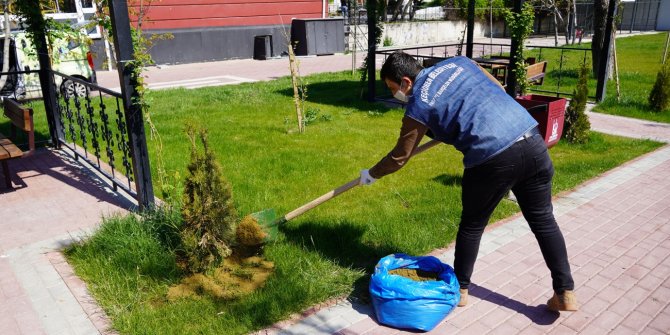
(535, 73)
(22, 118)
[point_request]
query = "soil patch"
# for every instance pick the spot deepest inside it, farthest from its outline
(235, 278)
(416, 274)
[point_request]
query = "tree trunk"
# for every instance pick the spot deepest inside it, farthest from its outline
(568, 22)
(405, 10)
(555, 29)
(574, 20)
(610, 68)
(5, 59)
(599, 23)
(616, 71)
(295, 82)
(396, 11)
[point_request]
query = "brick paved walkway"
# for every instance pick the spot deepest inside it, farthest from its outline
(617, 229)
(54, 201)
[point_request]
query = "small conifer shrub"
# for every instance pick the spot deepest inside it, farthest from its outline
(577, 124)
(208, 232)
(659, 99)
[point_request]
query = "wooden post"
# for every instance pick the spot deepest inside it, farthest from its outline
(118, 10)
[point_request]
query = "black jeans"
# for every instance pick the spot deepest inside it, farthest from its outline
(527, 170)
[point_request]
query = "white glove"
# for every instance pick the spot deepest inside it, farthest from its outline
(366, 179)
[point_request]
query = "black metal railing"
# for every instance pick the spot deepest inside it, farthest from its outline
(92, 124)
(560, 74)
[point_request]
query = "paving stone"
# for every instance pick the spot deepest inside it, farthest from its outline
(662, 321)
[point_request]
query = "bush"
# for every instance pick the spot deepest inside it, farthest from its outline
(659, 99)
(577, 125)
(209, 215)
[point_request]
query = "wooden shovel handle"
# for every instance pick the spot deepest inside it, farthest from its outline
(353, 183)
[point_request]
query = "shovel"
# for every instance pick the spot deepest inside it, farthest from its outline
(269, 223)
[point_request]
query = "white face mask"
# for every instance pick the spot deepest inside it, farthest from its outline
(400, 95)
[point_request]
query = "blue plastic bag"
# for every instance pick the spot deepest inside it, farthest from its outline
(401, 302)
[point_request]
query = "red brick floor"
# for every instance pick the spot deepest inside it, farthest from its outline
(53, 200)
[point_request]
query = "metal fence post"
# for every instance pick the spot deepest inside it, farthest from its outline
(118, 10)
(471, 28)
(603, 65)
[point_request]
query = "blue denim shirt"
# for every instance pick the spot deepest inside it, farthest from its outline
(463, 107)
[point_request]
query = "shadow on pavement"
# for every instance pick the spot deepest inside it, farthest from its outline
(63, 170)
(537, 314)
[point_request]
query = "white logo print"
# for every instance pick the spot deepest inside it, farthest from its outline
(554, 131)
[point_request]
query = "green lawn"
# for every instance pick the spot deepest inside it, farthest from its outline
(639, 63)
(330, 251)
(639, 59)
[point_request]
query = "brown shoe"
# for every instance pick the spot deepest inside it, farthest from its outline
(464, 297)
(563, 302)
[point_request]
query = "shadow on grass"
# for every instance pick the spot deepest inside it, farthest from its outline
(342, 243)
(342, 93)
(564, 73)
(539, 314)
(638, 104)
(449, 180)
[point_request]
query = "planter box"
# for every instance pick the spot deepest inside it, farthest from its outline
(550, 118)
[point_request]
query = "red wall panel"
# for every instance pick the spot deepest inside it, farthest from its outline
(167, 14)
(224, 22)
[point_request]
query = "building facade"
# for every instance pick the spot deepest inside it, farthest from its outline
(211, 30)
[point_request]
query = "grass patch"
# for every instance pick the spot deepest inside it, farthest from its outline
(639, 59)
(328, 252)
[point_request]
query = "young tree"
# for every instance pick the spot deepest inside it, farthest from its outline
(209, 216)
(577, 124)
(553, 7)
(521, 26)
(659, 99)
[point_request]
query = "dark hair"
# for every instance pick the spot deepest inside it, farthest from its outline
(398, 65)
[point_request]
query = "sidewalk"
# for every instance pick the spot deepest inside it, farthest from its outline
(55, 201)
(617, 229)
(232, 72)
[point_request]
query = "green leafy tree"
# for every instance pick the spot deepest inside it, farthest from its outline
(577, 124)
(521, 26)
(659, 99)
(482, 8)
(209, 215)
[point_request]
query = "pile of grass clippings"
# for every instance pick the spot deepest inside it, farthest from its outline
(235, 278)
(416, 274)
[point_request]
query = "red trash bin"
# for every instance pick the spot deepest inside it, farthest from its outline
(550, 119)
